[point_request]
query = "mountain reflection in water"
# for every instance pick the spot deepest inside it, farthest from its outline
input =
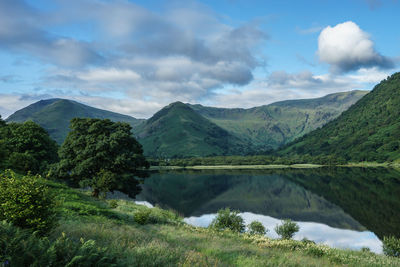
(326, 201)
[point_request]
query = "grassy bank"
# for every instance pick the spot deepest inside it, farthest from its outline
(163, 239)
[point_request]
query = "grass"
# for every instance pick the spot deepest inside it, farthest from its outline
(165, 240)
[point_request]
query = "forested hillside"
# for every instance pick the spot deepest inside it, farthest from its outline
(367, 131)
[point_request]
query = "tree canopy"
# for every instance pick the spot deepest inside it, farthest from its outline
(26, 147)
(103, 155)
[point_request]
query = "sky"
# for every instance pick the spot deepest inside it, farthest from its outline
(134, 57)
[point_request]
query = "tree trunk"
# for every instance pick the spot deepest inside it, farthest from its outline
(96, 193)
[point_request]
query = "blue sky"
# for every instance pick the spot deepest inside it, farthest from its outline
(134, 57)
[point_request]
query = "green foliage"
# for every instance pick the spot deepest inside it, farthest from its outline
(2, 122)
(23, 162)
(287, 229)
(171, 244)
(142, 216)
(26, 202)
(227, 219)
(256, 228)
(365, 249)
(103, 182)
(368, 131)
(101, 154)
(23, 248)
(113, 203)
(391, 246)
(55, 115)
(28, 146)
(250, 160)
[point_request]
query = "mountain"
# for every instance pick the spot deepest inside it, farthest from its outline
(184, 130)
(270, 126)
(368, 131)
(178, 131)
(55, 114)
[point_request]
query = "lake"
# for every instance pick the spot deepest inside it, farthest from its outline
(341, 207)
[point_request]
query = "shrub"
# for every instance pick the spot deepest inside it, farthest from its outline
(305, 240)
(256, 228)
(113, 204)
(142, 216)
(26, 202)
(227, 219)
(391, 246)
(365, 249)
(287, 229)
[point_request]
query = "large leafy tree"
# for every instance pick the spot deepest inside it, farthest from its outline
(26, 147)
(103, 155)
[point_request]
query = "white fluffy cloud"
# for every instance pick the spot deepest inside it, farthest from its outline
(346, 47)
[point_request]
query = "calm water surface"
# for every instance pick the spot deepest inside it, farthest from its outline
(342, 207)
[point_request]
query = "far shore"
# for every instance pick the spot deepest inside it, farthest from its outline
(275, 166)
(236, 167)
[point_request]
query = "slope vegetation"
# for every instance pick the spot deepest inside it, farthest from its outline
(178, 131)
(268, 127)
(55, 114)
(367, 131)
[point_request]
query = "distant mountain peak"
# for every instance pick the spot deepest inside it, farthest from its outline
(55, 114)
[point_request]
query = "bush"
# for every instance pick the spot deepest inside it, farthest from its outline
(20, 247)
(256, 228)
(142, 216)
(391, 246)
(227, 219)
(287, 229)
(26, 202)
(113, 204)
(365, 249)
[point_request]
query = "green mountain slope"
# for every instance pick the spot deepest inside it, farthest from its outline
(270, 126)
(178, 131)
(367, 131)
(55, 114)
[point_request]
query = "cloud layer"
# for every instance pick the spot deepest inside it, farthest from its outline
(121, 56)
(346, 47)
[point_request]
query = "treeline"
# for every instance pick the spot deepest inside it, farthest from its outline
(249, 160)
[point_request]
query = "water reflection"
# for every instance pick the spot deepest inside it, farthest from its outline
(341, 199)
(320, 233)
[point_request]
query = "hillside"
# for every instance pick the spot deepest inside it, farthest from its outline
(55, 114)
(367, 131)
(109, 230)
(184, 130)
(178, 131)
(268, 127)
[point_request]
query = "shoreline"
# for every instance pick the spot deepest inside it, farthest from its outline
(276, 166)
